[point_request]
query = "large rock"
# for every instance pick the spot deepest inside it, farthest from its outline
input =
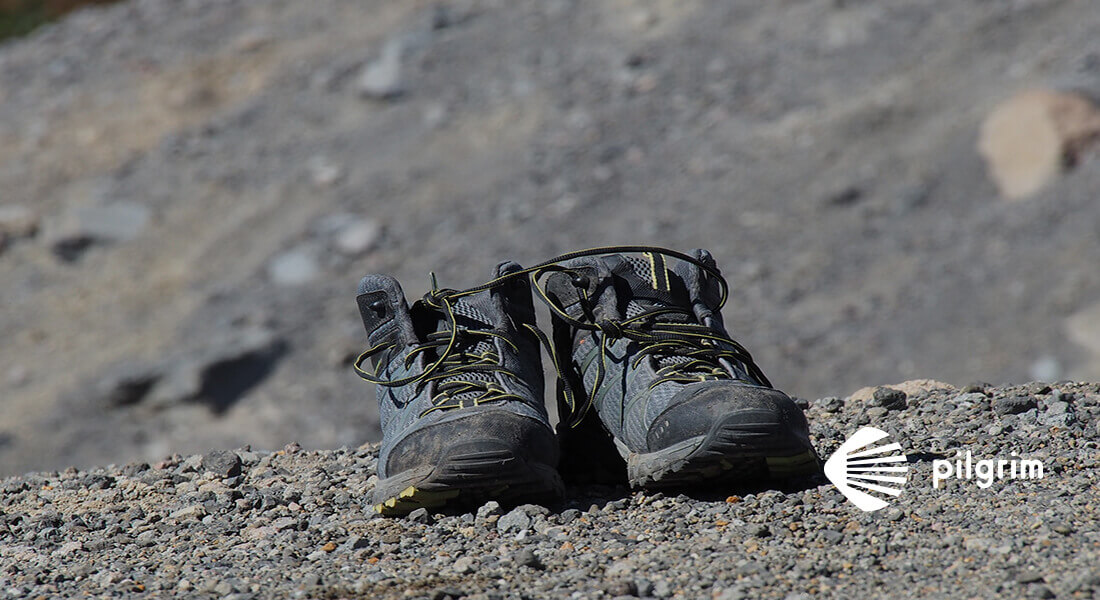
(85, 226)
(221, 372)
(1030, 138)
(122, 384)
(296, 266)
(1083, 329)
(357, 237)
(381, 78)
(912, 387)
(18, 221)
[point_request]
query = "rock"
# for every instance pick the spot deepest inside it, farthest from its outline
(1058, 413)
(1046, 368)
(622, 587)
(223, 463)
(876, 413)
(1013, 405)
(381, 78)
(195, 511)
(489, 509)
(516, 520)
(1028, 139)
(296, 266)
(220, 372)
(357, 237)
(464, 565)
(527, 558)
(977, 387)
(323, 171)
(1083, 329)
(421, 515)
(18, 221)
(889, 398)
(911, 388)
(121, 385)
(86, 226)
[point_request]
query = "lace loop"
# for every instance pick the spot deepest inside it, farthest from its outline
(610, 329)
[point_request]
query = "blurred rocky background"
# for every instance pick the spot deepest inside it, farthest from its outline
(191, 189)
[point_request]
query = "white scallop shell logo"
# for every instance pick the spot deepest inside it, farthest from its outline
(876, 469)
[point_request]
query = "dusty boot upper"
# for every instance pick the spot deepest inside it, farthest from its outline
(490, 379)
(659, 366)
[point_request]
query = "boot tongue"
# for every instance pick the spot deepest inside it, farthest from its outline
(472, 312)
(651, 285)
(478, 312)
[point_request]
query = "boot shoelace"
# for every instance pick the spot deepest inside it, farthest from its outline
(710, 356)
(457, 366)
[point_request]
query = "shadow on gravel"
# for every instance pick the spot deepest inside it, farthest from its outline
(583, 497)
(793, 486)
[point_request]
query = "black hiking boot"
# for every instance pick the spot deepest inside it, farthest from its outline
(460, 390)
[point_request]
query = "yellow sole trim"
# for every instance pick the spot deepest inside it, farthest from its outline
(799, 464)
(412, 498)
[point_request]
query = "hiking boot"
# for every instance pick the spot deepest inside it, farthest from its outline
(460, 391)
(648, 366)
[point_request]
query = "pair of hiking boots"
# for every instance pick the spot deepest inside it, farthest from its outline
(651, 390)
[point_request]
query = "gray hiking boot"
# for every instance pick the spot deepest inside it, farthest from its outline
(644, 345)
(460, 394)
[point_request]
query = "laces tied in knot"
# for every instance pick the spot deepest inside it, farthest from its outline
(611, 329)
(436, 298)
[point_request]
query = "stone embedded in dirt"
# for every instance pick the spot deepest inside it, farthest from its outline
(324, 172)
(17, 221)
(621, 588)
(85, 226)
(357, 237)
(1030, 138)
(421, 515)
(381, 78)
(1083, 328)
(120, 385)
(1013, 405)
(223, 463)
(516, 520)
(911, 388)
(296, 266)
(222, 371)
(1046, 368)
(527, 558)
(890, 399)
(465, 565)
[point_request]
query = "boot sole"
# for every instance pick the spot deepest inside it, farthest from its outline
(489, 470)
(743, 448)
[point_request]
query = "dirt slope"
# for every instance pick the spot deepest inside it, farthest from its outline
(824, 151)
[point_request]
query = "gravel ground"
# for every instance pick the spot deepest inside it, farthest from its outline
(296, 523)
